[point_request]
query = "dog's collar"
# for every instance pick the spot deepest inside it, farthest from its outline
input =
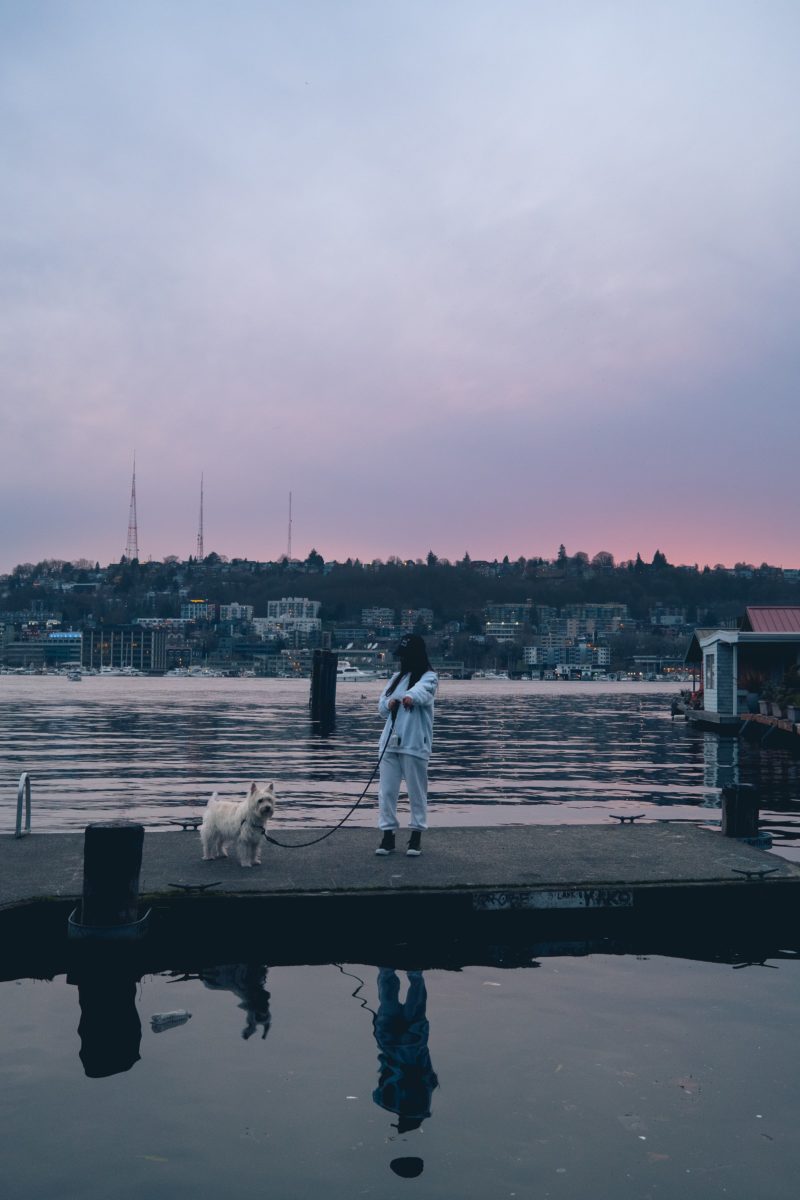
(252, 825)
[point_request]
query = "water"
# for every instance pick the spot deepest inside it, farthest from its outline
(151, 749)
(612, 1076)
(603, 1077)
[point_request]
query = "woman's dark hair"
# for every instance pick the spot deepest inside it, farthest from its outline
(414, 660)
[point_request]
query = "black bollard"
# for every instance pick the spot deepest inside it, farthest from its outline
(740, 811)
(112, 860)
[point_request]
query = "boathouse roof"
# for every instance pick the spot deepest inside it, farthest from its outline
(778, 618)
(694, 653)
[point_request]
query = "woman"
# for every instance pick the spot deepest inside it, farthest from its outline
(405, 745)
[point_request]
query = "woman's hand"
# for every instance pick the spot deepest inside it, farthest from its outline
(394, 705)
(408, 702)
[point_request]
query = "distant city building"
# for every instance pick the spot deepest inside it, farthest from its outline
(236, 612)
(667, 616)
(53, 650)
(509, 613)
(503, 631)
(119, 646)
(342, 634)
(581, 654)
(377, 618)
(296, 607)
(199, 610)
(409, 617)
(597, 618)
(178, 623)
(290, 628)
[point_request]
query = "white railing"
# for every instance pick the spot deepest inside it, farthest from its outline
(23, 793)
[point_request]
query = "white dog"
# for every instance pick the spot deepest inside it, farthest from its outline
(238, 823)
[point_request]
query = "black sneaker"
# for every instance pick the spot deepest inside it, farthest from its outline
(415, 844)
(387, 843)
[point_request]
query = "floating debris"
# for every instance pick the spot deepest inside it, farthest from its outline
(161, 1021)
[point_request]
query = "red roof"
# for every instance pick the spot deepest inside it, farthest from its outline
(781, 618)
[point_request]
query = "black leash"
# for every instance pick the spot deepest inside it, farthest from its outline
(350, 811)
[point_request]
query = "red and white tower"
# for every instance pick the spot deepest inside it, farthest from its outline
(132, 546)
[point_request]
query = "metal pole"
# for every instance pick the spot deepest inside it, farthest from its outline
(23, 792)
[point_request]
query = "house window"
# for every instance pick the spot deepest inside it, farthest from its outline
(710, 684)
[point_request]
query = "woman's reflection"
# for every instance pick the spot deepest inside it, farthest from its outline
(406, 1078)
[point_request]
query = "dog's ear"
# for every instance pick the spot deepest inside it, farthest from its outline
(253, 787)
(271, 787)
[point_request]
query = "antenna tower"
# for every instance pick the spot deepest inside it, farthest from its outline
(289, 545)
(132, 547)
(199, 553)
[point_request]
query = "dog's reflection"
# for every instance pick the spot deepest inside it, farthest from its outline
(406, 1079)
(247, 982)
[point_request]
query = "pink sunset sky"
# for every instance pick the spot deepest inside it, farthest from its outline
(461, 276)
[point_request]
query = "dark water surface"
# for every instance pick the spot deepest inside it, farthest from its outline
(527, 753)
(602, 1077)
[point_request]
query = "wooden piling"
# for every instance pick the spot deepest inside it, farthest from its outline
(112, 861)
(323, 688)
(740, 811)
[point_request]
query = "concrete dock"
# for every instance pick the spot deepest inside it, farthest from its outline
(335, 900)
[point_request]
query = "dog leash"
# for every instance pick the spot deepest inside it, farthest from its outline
(350, 811)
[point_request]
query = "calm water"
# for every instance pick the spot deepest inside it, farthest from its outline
(610, 1077)
(602, 1077)
(504, 752)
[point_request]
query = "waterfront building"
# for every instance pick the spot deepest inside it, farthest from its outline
(125, 646)
(47, 652)
(749, 659)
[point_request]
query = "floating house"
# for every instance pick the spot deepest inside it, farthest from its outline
(739, 665)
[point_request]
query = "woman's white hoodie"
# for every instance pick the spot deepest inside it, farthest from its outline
(413, 727)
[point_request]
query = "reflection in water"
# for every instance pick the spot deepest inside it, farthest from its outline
(720, 762)
(406, 1078)
(650, 1075)
(109, 1028)
(246, 982)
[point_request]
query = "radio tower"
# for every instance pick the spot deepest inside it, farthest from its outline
(289, 544)
(199, 552)
(132, 547)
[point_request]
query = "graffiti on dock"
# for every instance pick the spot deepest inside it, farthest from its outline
(553, 898)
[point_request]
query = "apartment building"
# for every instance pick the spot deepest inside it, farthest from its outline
(236, 612)
(294, 607)
(377, 618)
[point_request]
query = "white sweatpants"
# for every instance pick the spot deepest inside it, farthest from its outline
(394, 768)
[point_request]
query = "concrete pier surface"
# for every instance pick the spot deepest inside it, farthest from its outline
(509, 859)
(328, 901)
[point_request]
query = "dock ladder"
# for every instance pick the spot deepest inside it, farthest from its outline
(23, 793)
